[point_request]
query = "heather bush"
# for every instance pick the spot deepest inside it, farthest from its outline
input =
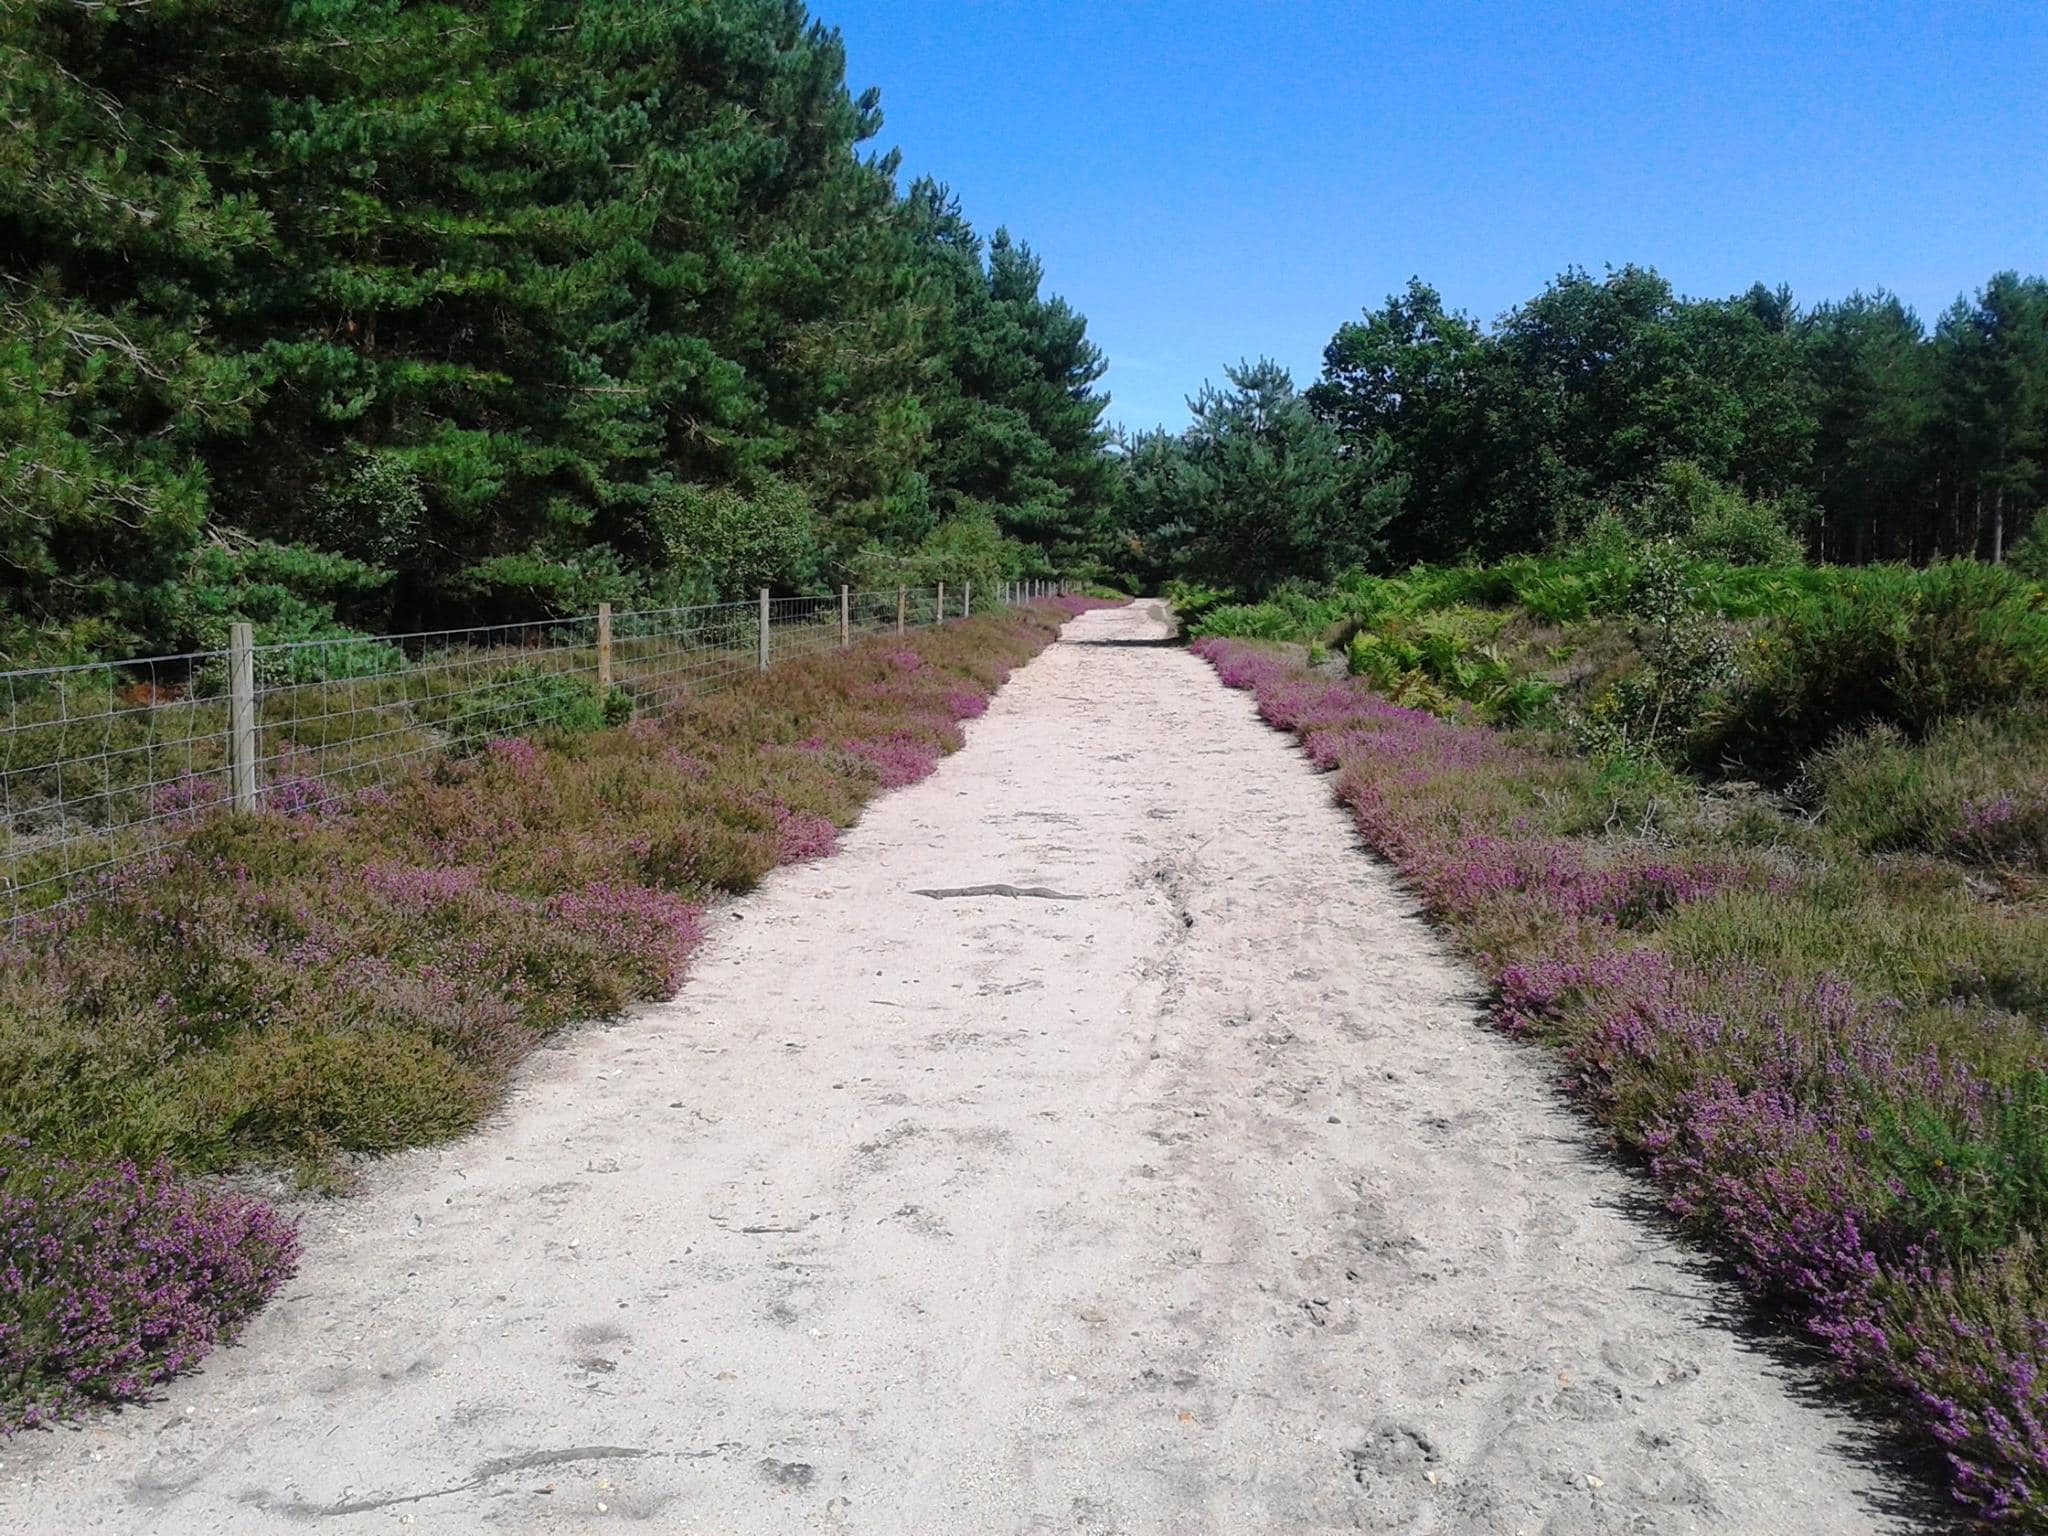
(117, 1277)
(1976, 789)
(295, 989)
(1832, 1064)
(1916, 932)
(88, 754)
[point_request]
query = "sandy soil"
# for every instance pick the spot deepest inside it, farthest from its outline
(1184, 1192)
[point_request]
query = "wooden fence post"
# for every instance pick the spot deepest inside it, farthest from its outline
(942, 604)
(902, 602)
(242, 715)
(764, 629)
(967, 600)
(604, 648)
(845, 617)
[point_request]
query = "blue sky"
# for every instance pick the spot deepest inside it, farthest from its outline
(1208, 180)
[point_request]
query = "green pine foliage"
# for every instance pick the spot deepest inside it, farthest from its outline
(513, 306)
(1613, 409)
(1258, 492)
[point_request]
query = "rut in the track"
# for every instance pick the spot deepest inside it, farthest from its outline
(1098, 1143)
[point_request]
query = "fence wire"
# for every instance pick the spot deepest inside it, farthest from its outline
(103, 764)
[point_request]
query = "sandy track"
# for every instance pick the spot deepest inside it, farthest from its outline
(1190, 1198)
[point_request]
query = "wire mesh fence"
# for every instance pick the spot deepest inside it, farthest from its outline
(103, 764)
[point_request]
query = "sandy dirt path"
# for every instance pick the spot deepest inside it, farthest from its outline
(1191, 1198)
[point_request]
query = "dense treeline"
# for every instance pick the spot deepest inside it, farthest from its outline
(1850, 428)
(323, 312)
(355, 314)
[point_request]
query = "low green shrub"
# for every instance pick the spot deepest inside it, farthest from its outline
(1441, 658)
(1270, 620)
(1737, 531)
(1984, 1188)
(526, 698)
(1682, 504)
(1886, 645)
(1192, 603)
(1685, 658)
(2029, 555)
(1625, 793)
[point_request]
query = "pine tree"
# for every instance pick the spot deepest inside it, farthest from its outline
(525, 304)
